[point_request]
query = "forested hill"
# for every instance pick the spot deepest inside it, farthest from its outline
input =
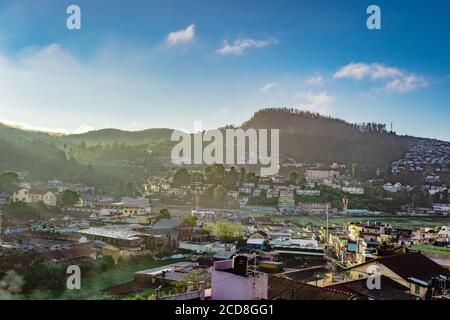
(304, 136)
(310, 137)
(108, 136)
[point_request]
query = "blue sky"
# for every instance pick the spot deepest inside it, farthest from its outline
(140, 64)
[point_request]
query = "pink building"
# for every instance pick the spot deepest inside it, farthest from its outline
(228, 285)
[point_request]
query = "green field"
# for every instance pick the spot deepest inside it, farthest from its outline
(432, 249)
(395, 221)
(93, 287)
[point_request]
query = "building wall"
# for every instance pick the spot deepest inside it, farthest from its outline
(229, 286)
(361, 271)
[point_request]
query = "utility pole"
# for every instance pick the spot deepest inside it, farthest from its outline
(328, 234)
(345, 203)
(1, 229)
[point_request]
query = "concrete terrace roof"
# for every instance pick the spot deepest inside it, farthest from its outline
(165, 224)
(124, 232)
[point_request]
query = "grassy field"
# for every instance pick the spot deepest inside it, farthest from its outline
(396, 221)
(432, 249)
(93, 287)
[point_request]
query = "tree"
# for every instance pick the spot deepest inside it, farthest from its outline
(197, 177)
(293, 177)
(354, 169)
(129, 189)
(181, 178)
(231, 179)
(242, 176)
(445, 196)
(219, 194)
(9, 182)
(215, 174)
(164, 213)
(190, 218)
(69, 198)
(226, 230)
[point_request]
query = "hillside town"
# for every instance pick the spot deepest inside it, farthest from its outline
(314, 232)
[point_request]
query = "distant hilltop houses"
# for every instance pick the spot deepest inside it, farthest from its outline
(428, 156)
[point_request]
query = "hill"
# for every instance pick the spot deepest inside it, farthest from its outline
(109, 136)
(109, 156)
(310, 137)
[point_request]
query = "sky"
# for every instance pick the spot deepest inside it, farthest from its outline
(144, 64)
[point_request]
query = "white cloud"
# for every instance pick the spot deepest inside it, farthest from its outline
(49, 89)
(239, 46)
(24, 126)
(267, 87)
(315, 102)
(181, 36)
(397, 80)
(317, 80)
(83, 129)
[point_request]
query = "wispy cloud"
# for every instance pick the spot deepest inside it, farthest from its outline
(24, 126)
(267, 87)
(396, 80)
(57, 92)
(314, 101)
(239, 46)
(317, 80)
(181, 36)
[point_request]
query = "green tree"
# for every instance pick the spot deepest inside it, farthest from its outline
(242, 176)
(226, 230)
(181, 178)
(219, 194)
(9, 182)
(198, 177)
(231, 179)
(215, 174)
(445, 196)
(354, 169)
(129, 189)
(190, 218)
(293, 177)
(164, 213)
(69, 198)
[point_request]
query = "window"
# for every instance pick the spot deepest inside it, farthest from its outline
(417, 289)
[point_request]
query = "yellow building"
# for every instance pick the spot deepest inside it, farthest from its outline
(22, 195)
(26, 195)
(111, 251)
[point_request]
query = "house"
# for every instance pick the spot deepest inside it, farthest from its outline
(126, 207)
(283, 288)
(35, 195)
(321, 175)
(173, 230)
(111, 251)
(412, 270)
(232, 280)
(22, 195)
(255, 243)
(4, 197)
(131, 238)
(167, 275)
(389, 290)
(313, 208)
(46, 196)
